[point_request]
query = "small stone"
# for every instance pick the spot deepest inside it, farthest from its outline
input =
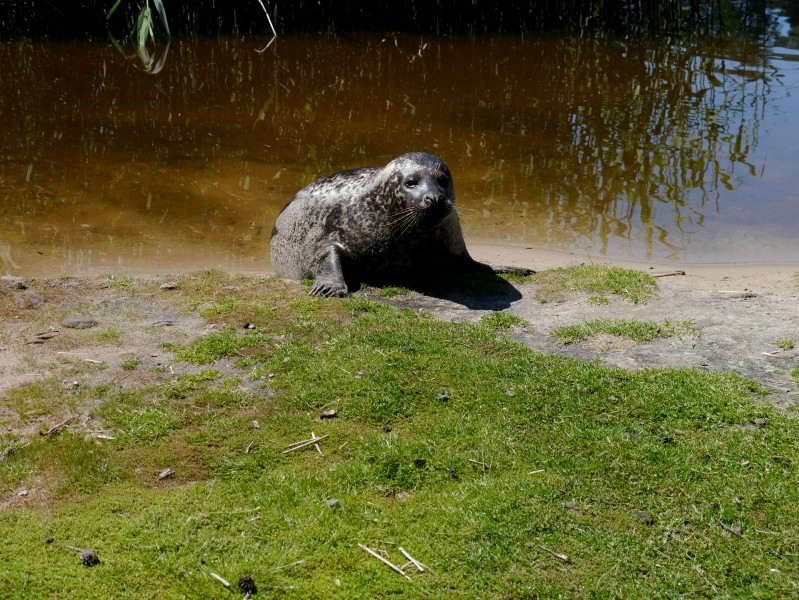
(387, 428)
(529, 544)
(644, 516)
(360, 374)
(443, 395)
(761, 422)
(48, 540)
(29, 300)
(165, 473)
(248, 326)
(419, 462)
(169, 285)
(12, 282)
(256, 424)
(452, 471)
(89, 558)
(247, 584)
(80, 323)
(332, 502)
(403, 496)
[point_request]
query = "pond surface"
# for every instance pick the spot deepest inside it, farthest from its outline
(652, 150)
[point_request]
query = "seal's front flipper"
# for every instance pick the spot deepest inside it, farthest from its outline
(329, 275)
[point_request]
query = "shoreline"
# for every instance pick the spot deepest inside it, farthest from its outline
(707, 277)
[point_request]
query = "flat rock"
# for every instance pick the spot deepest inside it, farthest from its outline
(80, 323)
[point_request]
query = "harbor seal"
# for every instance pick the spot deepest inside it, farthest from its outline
(382, 225)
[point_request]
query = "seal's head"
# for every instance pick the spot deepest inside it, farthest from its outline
(422, 184)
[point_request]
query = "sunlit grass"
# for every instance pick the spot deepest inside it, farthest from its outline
(465, 448)
(637, 331)
(599, 281)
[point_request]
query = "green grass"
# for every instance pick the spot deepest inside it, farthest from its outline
(637, 331)
(795, 373)
(501, 320)
(599, 281)
(472, 483)
(785, 344)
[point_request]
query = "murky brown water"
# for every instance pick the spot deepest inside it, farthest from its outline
(643, 150)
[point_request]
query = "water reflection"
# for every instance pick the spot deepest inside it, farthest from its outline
(650, 150)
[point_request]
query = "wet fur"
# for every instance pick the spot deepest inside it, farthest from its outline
(367, 225)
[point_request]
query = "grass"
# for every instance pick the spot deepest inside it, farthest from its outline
(501, 320)
(785, 344)
(795, 373)
(637, 331)
(599, 281)
(524, 451)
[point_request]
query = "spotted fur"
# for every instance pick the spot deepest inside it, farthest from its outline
(378, 225)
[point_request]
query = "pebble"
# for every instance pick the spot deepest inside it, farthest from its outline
(80, 323)
(29, 299)
(328, 414)
(12, 282)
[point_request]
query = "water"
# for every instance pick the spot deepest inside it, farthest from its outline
(652, 150)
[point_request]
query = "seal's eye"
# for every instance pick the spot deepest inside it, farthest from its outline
(443, 180)
(410, 183)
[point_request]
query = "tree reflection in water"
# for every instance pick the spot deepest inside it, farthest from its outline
(629, 148)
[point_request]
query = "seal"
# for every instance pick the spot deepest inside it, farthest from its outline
(380, 225)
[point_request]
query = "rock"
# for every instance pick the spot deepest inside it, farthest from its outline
(12, 282)
(387, 428)
(169, 285)
(644, 516)
(247, 584)
(29, 300)
(89, 558)
(328, 414)
(80, 323)
(332, 502)
(443, 395)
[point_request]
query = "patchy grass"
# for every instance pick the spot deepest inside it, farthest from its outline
(599, 281)
(785, 344)
(522, 452)
(795, 373)
(637, 331)
(501, 320)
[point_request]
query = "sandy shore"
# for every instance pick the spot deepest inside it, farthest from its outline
(708, 277)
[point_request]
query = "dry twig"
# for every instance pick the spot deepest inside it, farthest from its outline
(57, 428)
(563, 557)
(746, 539)
(670, 273)
(415, 562)
(297, 445)
(385, 561)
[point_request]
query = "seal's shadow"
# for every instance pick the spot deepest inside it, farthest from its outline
(480, 290)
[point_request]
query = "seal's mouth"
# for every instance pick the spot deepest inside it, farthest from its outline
(421, 215)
